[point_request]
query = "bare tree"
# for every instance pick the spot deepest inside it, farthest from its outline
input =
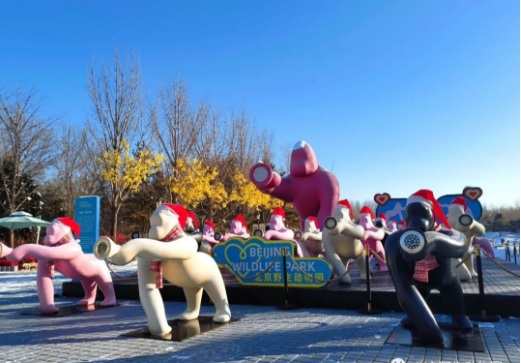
(176, 126)
(73, 166)
(120, 115)
(26, 144)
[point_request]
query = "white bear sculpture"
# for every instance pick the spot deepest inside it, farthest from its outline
(341, 240)
(171, 252)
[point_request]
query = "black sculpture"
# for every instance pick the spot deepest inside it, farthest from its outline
(421, 259)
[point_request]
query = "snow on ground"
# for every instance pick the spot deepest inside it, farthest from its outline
(23, 284)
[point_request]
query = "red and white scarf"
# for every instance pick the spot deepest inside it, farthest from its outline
(422, 268)
(65, 239)
(155, 266)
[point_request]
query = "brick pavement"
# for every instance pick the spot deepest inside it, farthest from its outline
(263, 334)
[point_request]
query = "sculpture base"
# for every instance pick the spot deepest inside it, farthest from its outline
(469, 340)
(181, 330)
(366, 311)
(287, 307)
(70, 310)
(486, 318)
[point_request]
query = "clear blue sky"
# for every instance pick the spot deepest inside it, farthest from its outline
(394, 96)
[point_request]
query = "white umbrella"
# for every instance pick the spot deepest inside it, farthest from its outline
(19, 220)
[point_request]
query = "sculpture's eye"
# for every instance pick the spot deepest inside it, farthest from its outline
(102, 248)
(330, 223)
(465, 220)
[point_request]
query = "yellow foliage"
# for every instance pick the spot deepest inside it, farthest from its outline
(247, 194)
(126, 172)
(194, 182)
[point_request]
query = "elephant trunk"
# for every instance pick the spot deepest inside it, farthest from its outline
(4, 250)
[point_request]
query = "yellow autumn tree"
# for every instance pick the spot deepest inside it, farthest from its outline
(125, 173)
(195, 182)
(246, 193)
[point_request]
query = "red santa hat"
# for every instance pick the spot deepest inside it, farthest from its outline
(70, 223)
(175, 210)
(382, 217)
(209, 224)
(367, 210)
(239, 218)
(402, 223)
(193, 217)
(314, 220)
(393, 222)
(426, 197)
(345, 203)
(459, 203)
(279, 212)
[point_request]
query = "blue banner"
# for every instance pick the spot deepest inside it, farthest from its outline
(394, 209)
(87, 215)
(249, 259)
(474, 208)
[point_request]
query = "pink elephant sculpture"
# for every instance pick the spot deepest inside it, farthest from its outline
(372, 235)
(238, 228)
(278, 230)
(401, 225)
(485, 245)
(61, 252)
(391, 226)
(209, 233)
(312, 190)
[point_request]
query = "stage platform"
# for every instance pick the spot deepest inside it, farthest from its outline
(501, 292)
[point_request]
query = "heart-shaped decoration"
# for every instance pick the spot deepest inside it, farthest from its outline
(382, 199)
(473, 193)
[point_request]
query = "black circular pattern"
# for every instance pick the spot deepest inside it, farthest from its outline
(102, 248)
(412, 242)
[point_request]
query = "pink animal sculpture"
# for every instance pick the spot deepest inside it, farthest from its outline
(278, 230)
(312, 190)
(238, 228)
(372, 235)
(401, 225)
(63, 253)
(209, 233)
(311, 241)
(391, 226)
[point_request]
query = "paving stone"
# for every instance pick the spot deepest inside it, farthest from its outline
(264, 334)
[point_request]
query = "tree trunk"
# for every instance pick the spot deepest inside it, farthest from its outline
(210, 210)
(114, 222)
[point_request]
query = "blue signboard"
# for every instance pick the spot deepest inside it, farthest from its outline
(394, 209)
(249, 259)
(87, 215)
(474, 208)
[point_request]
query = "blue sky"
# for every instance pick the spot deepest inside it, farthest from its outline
(394, 96)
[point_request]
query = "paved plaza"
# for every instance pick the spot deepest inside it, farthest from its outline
(263, 334)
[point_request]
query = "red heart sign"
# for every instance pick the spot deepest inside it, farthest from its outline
(473, 193)
(382, 199)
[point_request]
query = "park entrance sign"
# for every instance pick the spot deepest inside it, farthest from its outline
(257, 262)
(87, 215)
